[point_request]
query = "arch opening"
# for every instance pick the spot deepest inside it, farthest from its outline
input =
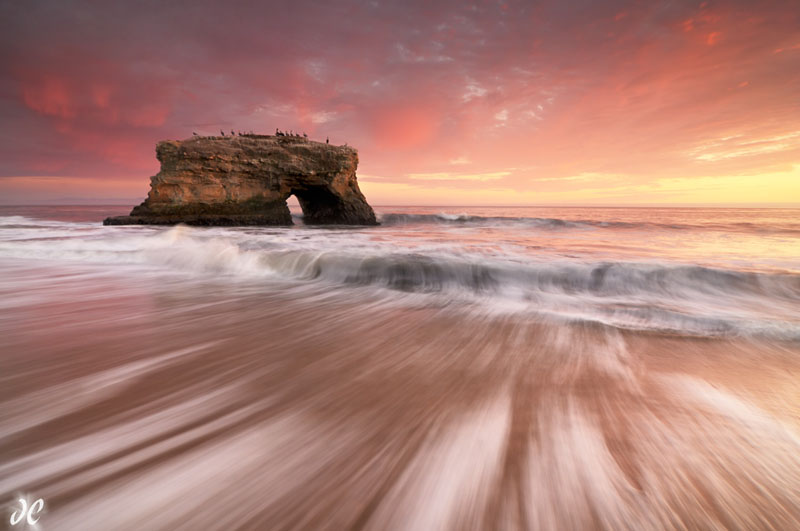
(319, 205)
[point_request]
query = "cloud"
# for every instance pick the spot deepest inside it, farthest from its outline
(741, 146)
(401, 127)
(472, 91)
(444, 176)
(49, 97)
(321, 117)
(640, 89)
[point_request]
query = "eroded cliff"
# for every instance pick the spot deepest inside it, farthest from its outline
(245, 180)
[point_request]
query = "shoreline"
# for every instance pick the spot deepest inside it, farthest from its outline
(217, 397)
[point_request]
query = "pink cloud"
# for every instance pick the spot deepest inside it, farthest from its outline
(403, 127)
(547, 88)
(50, 96)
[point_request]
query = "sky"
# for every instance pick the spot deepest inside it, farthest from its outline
(552, 102)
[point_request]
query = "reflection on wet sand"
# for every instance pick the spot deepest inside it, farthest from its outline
(152, 406)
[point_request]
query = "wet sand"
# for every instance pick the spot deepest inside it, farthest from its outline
(149, 405)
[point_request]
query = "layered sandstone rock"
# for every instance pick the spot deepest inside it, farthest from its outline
(245, 180)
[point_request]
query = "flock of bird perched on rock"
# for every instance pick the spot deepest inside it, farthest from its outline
(278, 132)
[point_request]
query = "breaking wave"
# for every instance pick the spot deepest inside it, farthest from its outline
(660, 296)
(684, 299)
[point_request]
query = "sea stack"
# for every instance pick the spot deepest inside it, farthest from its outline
(245, 180)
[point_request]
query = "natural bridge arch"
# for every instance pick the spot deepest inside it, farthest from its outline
(318, 203)
(321, 204)
(246, 180)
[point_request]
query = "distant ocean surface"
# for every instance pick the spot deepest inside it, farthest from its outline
(452, 368)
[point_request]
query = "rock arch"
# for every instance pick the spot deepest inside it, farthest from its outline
(246, 180)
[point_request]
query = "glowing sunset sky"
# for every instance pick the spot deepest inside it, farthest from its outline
(449, 103)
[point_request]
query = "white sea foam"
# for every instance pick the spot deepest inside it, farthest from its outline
(664, 295)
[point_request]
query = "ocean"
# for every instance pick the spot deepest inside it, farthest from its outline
(452, 368)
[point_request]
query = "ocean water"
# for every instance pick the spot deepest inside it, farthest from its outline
(452, 368)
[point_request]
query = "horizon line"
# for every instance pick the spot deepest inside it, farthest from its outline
(119, 203)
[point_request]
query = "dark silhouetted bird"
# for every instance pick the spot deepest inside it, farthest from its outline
(327, 140)
(194, 134)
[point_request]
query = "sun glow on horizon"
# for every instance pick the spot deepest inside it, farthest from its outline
(598, 189)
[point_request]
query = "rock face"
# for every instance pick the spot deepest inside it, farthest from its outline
(245, 180)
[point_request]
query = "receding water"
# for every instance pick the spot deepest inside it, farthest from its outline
(453, 368)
